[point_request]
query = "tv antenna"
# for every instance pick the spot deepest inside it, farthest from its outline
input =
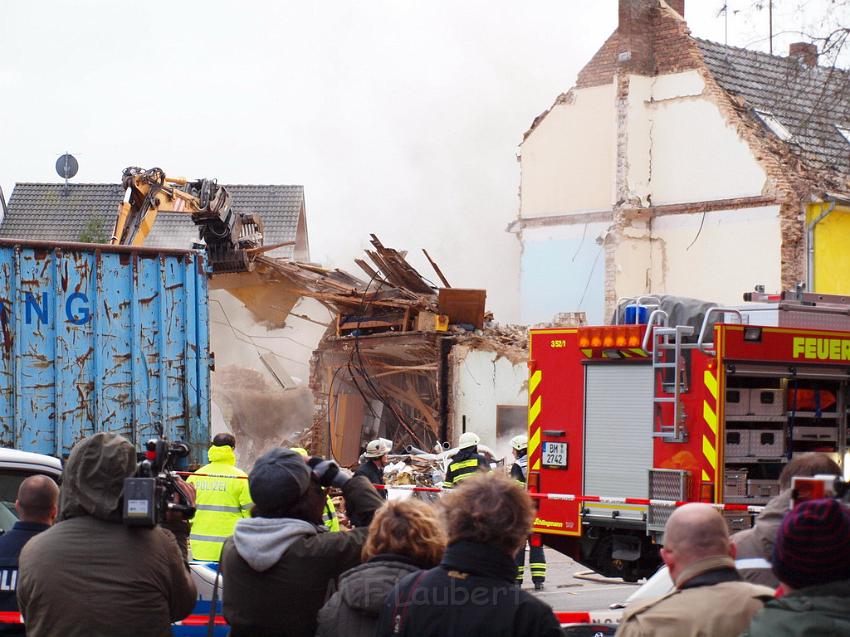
(67, 167)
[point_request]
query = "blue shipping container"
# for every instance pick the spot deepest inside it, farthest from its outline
(102, 338)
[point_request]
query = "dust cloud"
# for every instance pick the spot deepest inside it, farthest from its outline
(259, 414)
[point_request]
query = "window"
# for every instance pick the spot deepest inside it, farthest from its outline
(774, 125)
(845, 133)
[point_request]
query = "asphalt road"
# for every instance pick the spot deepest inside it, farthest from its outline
(589, 592)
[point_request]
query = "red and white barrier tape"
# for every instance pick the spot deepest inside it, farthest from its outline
(11, 617)
(566, 497)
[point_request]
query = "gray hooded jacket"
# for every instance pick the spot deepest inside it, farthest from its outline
(91, 576)
(278, 572)
(354, 609)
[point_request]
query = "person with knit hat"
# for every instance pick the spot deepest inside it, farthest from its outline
(281, 564)
(811, 560)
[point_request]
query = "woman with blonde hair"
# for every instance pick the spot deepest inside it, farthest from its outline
(405, 536)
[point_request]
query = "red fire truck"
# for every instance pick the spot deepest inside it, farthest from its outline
(705, 410)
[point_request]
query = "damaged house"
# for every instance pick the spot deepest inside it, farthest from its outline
(404, 359)
(681, 166)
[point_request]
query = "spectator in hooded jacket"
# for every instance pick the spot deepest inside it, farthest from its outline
(404, 537)
(709, 597)
(280, 564)
(90, 574)
(473, 590)
(811, 559)
(755, 546)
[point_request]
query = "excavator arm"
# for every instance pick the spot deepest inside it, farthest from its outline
(231, 237)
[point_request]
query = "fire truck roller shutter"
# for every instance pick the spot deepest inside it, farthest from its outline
(618, 441)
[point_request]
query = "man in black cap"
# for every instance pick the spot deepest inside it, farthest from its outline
(280, 564)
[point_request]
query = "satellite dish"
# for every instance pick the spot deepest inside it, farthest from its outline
(67, 166)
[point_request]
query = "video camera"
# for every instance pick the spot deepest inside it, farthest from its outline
(150, 494)
(818, 488)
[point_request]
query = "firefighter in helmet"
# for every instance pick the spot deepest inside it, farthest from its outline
(329, 516)
(537, 559)
(374, 461)
(466, 462)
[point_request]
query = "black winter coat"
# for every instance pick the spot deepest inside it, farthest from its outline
(373, 473)
(354, 609)
(284, 600)
(470, 594)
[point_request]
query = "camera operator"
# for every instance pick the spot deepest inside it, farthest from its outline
(755, 545)
(90, 574)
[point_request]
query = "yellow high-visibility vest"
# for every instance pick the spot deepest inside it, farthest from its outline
(222, 499)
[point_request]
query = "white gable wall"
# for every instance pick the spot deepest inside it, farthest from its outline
(567, 162)
(679, 150)
(735, 250)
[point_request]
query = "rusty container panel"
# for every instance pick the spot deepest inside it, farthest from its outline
(102, 339)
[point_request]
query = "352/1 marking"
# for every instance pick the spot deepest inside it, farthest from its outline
(557, 343)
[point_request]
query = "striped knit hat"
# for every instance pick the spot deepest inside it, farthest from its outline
(813, 544)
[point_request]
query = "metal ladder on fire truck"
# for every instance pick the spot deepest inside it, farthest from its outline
(667, 350)
(664, 340)
(667, 341)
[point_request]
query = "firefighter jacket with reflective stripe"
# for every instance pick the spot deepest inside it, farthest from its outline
(464, 464)
(222, 500)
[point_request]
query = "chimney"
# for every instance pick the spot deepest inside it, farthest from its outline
(805, 52)
(635, 35)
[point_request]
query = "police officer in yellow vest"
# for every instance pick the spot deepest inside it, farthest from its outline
(222, 499)
(329, 516)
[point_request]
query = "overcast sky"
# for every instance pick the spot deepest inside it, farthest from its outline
(400, 117)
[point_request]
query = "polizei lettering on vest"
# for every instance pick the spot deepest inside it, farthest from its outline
(821, 349)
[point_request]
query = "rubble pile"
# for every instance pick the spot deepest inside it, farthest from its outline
(382, 367)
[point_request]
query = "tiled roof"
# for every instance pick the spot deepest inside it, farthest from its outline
(808, 101)
(49, 212)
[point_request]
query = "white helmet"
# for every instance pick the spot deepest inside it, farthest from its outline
(468, 439)
(520, 442)
(376, 449)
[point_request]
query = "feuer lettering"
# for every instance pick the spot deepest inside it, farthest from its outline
(822, 349)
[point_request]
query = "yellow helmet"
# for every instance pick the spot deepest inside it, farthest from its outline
(301, 451)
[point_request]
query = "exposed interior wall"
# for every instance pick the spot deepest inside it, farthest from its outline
(567, 161)
(480, 381)
(832, 256)
(733, 251)
(694, 153)
(247, 395)
(563, 270)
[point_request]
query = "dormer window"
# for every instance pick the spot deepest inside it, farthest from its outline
(845, 133)
(773, 125)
